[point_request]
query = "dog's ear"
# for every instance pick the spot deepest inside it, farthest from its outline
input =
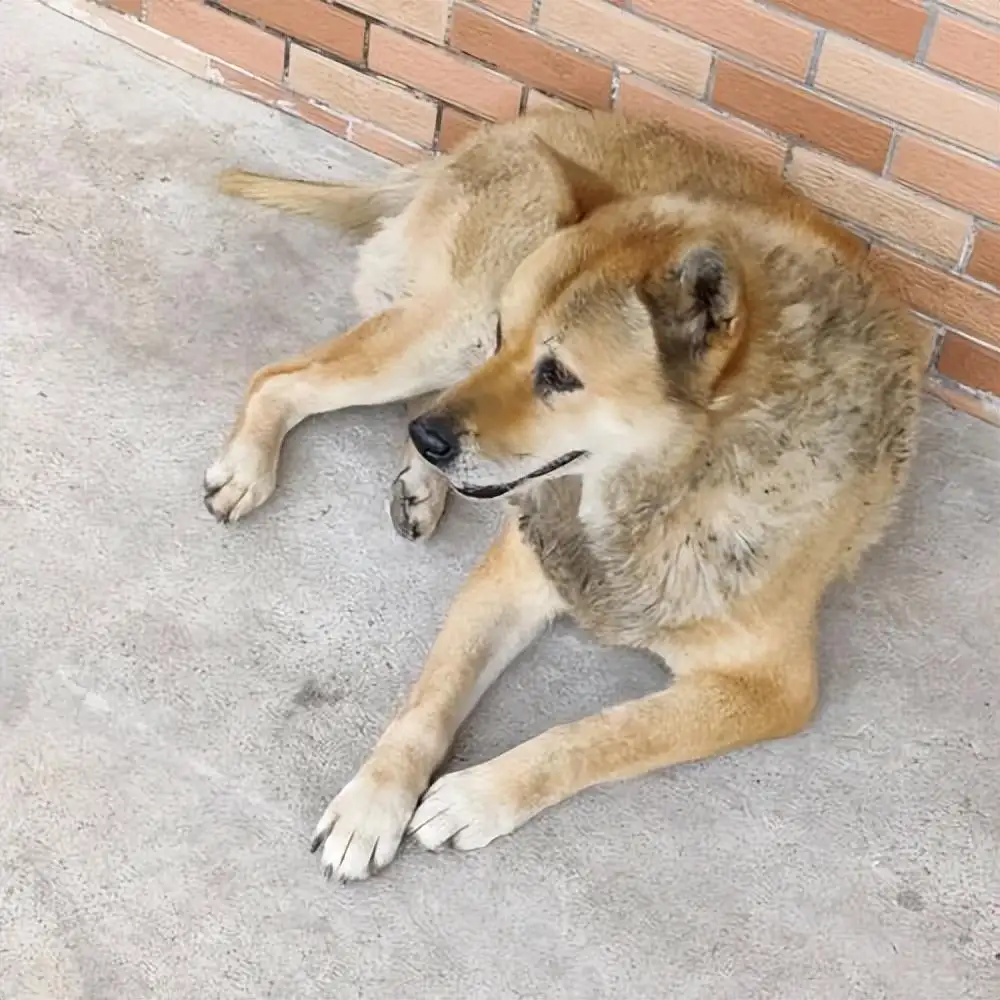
(696, 310)
(586, 190)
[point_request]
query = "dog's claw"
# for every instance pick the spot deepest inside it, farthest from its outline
(207, 501)
(317, 843)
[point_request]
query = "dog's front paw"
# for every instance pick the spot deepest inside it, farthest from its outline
(240, 481)
(363, 826)
(467, 809)
(419, 496)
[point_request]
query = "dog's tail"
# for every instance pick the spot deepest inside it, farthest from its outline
(353, 207)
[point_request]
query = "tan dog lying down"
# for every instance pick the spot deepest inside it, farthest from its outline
(698, 405)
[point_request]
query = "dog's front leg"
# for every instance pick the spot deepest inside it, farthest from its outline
(704, 713)
(399, 353)
(502, 606)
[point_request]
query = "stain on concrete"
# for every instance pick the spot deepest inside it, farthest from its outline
(312, 694)
(910, 899)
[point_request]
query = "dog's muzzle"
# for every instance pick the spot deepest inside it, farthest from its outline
(437, 440)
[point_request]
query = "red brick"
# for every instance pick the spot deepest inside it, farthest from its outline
(130, 7)
(741, 26)
(278, 97)
(987, 10)
(631, 42)
(228, 38)
(537, 101)
(383, 144)
(910, 94)
(443, 74)
(309, 21)
(893, 25)
(967, 50)
(320, 117)
(637, 97)
(801, 114)
(427, 18)
(528, 58)
(880, 204)
(455, 126)
(146, 39)
(962, 180)
(972, 364)
(513, 10)
(358, 95)
(957, 303)
(984, 264)
(243, 83)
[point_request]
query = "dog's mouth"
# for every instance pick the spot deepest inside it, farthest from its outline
(499, 489)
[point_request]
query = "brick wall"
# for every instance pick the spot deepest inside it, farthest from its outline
(885, 112)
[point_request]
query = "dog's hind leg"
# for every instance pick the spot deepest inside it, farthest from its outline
(399, 353)
(419, 492)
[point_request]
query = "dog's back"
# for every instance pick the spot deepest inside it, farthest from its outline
(512, 181)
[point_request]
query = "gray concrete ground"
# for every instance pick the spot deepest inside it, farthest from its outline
(178, 701)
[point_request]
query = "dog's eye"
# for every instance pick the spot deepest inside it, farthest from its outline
(499, 339)
(550, 376)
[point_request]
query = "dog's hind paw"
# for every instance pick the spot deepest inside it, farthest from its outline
(419, 497)
(239, 482)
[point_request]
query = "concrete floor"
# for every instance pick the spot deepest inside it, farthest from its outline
(178, 701)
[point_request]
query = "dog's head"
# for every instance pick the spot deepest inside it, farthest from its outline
(613, 340)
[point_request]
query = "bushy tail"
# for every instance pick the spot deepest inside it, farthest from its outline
(353, 207)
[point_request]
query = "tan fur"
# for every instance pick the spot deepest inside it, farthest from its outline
(354, 208)
(699, 404)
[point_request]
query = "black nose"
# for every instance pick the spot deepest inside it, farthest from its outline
(435, 438)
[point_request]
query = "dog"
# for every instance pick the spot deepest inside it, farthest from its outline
(698, 403)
